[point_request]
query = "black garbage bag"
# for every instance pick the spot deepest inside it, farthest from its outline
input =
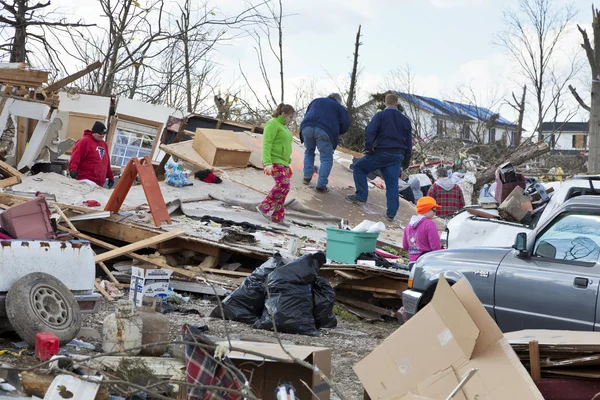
(289, 301)
(246, 303)
(324, 300)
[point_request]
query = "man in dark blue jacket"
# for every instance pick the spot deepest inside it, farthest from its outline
(325, 120)
(388, 147)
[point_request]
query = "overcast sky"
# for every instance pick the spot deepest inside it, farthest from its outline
(447, 43)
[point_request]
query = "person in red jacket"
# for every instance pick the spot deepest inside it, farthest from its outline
(90, 159)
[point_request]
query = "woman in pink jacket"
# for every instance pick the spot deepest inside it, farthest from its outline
(421, 235)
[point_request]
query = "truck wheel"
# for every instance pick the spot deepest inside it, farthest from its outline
(38, 303)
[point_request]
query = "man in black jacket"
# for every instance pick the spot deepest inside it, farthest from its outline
(388, 147)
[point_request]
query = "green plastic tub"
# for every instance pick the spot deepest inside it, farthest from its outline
(345, 246)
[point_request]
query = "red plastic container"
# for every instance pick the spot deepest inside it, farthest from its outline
(46, 346)
(30, 220)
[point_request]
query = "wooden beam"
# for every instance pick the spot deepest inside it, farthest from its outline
(108, 273)
(209, 262)
(534, 360)
(22, 136)
(23, 75)
(138, 245)
(103, 291)
(13, 180)
(135, 256)
(64, 217)
(9, 170)
(132, 233)
(225, 272)
(366, 306)
(72, 78)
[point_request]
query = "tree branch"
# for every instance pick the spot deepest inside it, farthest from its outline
(587, 46)
(578, 98)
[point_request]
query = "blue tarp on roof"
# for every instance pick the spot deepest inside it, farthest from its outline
(481, 113)
(450, 109)
(422, 102)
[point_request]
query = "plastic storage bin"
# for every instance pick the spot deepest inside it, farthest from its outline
(345, 246)
(30, 220)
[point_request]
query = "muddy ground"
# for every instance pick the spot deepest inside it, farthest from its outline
(350, 341)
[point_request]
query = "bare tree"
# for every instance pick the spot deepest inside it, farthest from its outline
(482, 111)
(355, 138)
(262, 35)
(533, 35)
(593, 56)
(28, 24)
(519, 106)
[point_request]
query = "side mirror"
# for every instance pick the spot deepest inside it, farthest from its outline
(521, 244)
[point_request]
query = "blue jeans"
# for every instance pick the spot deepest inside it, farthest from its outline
(319, 139)
(390, 165)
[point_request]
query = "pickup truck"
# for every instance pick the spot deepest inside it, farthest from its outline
(45, 286)
(549, 279)
(466, 230)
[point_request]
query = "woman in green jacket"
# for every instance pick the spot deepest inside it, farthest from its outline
(276, 157)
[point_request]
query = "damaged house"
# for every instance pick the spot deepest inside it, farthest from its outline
(435, 118)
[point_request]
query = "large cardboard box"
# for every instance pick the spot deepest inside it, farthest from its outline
(221, 148)
(266, 375)
(151, 282)
(430, 354)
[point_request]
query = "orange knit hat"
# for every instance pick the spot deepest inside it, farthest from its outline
(426, 203)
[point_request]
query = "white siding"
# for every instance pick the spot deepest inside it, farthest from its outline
(564, 140)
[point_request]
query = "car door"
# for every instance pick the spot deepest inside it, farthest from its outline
(557, 286)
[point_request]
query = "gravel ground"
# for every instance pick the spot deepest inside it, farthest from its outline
(350, 341)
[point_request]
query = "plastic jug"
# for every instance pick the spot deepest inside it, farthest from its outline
(155, 327)
(122, 330)
(46, 346)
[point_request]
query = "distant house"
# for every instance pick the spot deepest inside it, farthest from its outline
(566, 137)
(434, 118)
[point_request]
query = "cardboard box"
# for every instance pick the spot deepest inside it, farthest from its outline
(430, 354)
(221, 148)
(516, 206)
(266, 375)
(152, 282)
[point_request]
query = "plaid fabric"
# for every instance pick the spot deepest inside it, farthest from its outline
(203, 369)
(450, 200)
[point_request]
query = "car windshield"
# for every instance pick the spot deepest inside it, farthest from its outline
(573, 237)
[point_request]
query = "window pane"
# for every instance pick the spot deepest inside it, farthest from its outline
(573, 237)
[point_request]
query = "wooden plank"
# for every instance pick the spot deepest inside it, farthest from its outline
(370, 289)
(13, 180)
(368, 315)
(22, 136)
(103, 291)
(131, 233)
(366, 306)
(107, 272)
(64, 217)
(72, 78)
(209, 262)
(534, 359)
(10, 170)
(138, 245)
(135, 256)
(225, 272)
(353, 275)
(24, 75)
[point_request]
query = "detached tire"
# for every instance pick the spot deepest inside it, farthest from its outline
(38, 303)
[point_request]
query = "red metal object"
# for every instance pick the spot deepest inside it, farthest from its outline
(46, 346)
